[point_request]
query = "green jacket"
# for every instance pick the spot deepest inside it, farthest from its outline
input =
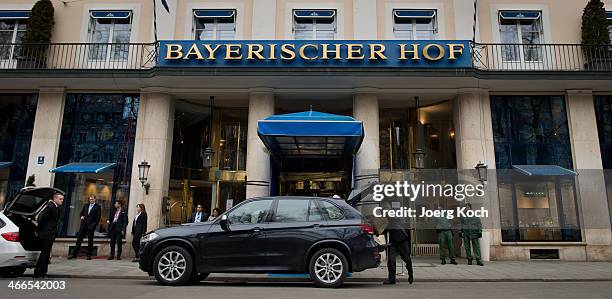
(442, 223)
(471, 227)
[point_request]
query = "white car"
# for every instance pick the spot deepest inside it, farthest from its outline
(19, 247)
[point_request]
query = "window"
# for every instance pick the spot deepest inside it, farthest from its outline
(331, 211)
(603, 115)
(414, 24)
(609, 17)
(110, 27)
(250, 213)
(13, 25)
(291, 210)
(522, 31)
(314, 24)
(214, 24)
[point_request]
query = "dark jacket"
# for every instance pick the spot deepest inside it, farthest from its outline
(397, 233)
(47, 222)
(121, 223)
(92, 218)
(204, 217)
(471, 227)
(139, 225)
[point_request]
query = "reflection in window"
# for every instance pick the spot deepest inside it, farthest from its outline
(603, 115)
(215, 24)
(288, 210)
(314, 24)
(12, 31)
(108, 28)
(523, 31)
(250, 213)
(414, 24)
(331, 211)
(96, 128)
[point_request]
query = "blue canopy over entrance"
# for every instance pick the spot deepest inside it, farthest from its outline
(310, 133)
(83, 167)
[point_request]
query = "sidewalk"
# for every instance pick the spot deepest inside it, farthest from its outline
(425, 269)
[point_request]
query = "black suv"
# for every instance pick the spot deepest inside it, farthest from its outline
(323, 237)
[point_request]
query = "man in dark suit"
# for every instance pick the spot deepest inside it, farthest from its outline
(398, 239)
(116, 229)
(139, 228)
(199, 215)
(90, 217)
(46, 230)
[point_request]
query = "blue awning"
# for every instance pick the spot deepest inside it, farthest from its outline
(14, 14)
(110, 14)
(314, 14)
(543, 170)
(5, 165)
(414, 14)
(609, 15)
(83, 167)
(520, 15)
(310, 133)
(214, 13)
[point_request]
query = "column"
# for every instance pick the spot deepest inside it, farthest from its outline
(591, 186)
(474, 144)
(153, 143)
(261, 105)
(264, 19)
(365, 21)
(46, 134)
(367, 160)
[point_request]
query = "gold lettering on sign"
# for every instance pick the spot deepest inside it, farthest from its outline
(174, 51)
(211, 51)
(303, 52)
(288, 49)
(377, 51)
(354, 49)
(232, 51)
(255, 50)
(272, 55)
(327, 51)
(414, 51)
(194, 50)
(454, 49)
(441, 52)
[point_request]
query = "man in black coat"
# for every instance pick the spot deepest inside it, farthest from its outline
(116, 229)
(398, 241)
(199, 215)
(46, 231)
(90, 217)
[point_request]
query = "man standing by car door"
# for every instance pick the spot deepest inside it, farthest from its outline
(398, 240)
(116, 229)
(47, 229)
(90, 217)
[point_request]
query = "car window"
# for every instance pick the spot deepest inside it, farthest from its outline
(2, 224)
(30, 201)
(314, 213)
(288, 210)
(250, 213)
(331, 210)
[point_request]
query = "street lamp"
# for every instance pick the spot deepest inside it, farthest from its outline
(143, 175)
(419, 158)
(481, 168)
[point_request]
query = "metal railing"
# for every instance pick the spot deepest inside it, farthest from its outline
(75, 56)
(541, 57)
(139, 56)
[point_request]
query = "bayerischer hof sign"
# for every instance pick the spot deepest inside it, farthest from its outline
(315, 53)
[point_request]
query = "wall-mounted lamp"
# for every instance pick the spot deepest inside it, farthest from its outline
(143, 175)
(481, 168)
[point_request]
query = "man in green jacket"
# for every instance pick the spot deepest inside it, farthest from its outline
(445, 238)
(471, 232)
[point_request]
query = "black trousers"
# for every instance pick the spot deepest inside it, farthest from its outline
(403, 248)
(42, 265)
(116, 238)
(136, 244)
(90, 237)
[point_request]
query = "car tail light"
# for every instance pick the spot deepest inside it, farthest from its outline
(367, 228)
(12, 237)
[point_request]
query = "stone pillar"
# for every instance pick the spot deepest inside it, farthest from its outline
(153, 143)
(591, 186)
(261, 105)
(46, 134)
(474, 144)
(367, 160)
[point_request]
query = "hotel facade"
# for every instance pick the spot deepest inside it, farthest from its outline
(188, 95)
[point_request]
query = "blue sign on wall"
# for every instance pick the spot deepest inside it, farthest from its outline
(315, 53)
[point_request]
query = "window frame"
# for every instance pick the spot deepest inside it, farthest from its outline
(110, 48)
(519, 46)
(413, 30)
(195, 30)
(12, 56)
(325, 214)
(266, 218)
(314, 19)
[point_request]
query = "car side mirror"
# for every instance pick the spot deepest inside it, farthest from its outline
(224, 223)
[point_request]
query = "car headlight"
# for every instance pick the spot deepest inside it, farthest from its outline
(148, 237)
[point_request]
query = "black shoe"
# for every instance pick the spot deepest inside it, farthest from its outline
(410, 279)
(111, 257)
(88, 257)
(135, 261)
(479, 263)
(443, 261)
(389, 281)
(453, 261)
(118, 257)
(72, 257)
(469, 262)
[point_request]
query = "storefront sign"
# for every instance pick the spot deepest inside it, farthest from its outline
(315, 53)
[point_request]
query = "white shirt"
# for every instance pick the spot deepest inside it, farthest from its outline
(91, 205)
(136, 218)
(198, 217)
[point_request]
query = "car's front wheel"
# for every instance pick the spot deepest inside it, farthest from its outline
(173, 266)
(328, 268)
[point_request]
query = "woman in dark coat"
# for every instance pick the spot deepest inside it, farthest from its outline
(139, 228)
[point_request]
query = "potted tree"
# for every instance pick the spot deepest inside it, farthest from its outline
(38, 35)
(595, 37)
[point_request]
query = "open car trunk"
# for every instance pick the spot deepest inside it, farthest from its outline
(362, 200)
(24, 209)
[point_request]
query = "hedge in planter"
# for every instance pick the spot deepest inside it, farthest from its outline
(38, 35)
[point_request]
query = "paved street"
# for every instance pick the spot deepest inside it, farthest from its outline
(118, 289)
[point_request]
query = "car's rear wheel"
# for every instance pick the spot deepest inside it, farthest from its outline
(12, 272)
(173, 266)
(328, 268)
